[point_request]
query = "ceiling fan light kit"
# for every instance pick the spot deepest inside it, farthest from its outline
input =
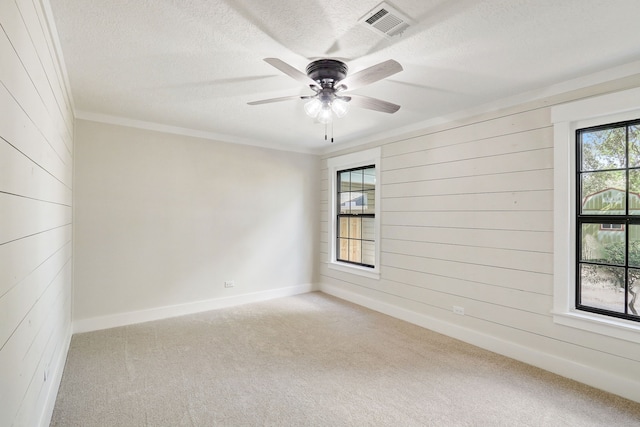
(340, 107)
(328, 79)
(324, 110)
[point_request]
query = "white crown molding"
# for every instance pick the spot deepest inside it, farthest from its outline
(611, 74)
(176, 130)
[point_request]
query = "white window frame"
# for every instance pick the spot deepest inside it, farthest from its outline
(349, 161)
(566, 118)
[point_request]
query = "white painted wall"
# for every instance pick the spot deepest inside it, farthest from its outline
(162, 221)
(467, 220)
(36, 144)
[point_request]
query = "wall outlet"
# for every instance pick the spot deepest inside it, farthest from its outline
(229, 284)
(458, 310)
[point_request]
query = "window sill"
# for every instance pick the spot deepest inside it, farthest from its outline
(371, 273)
(604, 325)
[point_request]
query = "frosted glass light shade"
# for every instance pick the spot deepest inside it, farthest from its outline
(340, 107)
(313, 107)
(325, 115)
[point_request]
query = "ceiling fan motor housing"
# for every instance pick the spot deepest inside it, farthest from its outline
(327, 71)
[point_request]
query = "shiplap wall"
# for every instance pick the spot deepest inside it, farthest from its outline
(467, 220)
(36, 138)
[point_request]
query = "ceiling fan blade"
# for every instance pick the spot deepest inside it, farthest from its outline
(371, 75)
(373, 104)
(290, 71)
(269, 101)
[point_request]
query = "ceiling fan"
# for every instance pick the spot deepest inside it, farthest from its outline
(328, 79)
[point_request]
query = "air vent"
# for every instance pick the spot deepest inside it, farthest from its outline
(385, 20)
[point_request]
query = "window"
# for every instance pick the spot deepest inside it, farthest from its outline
(354, 217)
(595, 205)
(356, 191)
(608, 181)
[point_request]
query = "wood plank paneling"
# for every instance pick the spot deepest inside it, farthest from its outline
(30, 180)
(503, 220)
(492, 275)
(21, 257)
(533, 160)
(537, 302)
(467, 220)
(472, 131)
(21, 27)
(541, 200)
(18, 130)
(538, 262)
(511, 181)
(45, 51)
(497, 145)
(520, 240)
(20, 298)
(36, 146)
(24, 217)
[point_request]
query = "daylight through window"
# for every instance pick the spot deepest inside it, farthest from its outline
(608, 219)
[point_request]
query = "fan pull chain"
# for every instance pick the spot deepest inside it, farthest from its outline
(325, 132)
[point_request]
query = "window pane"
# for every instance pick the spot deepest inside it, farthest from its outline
(634, 192)
(634, 290)
(343, 227)
(344, 183)
(368, 231)
(602, 245)
(357, 178)
(634, 245)
(370, 179)
(355, 250)
(369, 202)
(602, 287)
(355, 228)
(603, 193)
(345, 203)
(352, 202)
(604, 149)
(368, 253)
(634, 146)
(343, 253)
(357, 202)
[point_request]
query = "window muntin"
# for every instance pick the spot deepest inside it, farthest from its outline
(608, 180)
(355, 220)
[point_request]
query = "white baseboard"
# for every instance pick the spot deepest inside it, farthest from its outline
(130, 318)
(628, 388)
(55, 374)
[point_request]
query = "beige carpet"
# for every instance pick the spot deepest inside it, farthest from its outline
(311, 360)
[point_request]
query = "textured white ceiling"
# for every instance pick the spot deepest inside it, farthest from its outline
(195, 64)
